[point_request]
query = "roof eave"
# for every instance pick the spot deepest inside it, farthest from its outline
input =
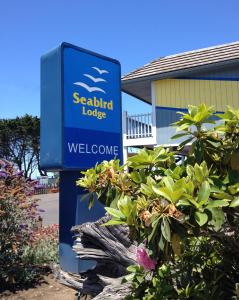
(135, 96)
(186, 71)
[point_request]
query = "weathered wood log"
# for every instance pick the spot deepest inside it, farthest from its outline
(74, 281)
(105, 244)
(113, 251)
(115, 291)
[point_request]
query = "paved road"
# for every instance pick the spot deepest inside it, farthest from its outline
(50, 203)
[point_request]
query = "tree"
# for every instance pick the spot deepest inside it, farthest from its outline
(19, 143)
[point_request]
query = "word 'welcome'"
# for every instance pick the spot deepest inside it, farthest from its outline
(93, 149)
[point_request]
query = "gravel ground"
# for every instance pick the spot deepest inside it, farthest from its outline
(49, 289)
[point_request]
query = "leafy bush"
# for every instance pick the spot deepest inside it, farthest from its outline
(184, 216)
(18, 218)
(43, 249)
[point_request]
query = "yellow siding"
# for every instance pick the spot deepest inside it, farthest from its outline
(182, 92)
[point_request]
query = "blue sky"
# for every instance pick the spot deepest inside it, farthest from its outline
(134, 32)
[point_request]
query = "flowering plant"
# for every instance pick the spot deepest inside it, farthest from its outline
(18, 219)
(144, 260)
(43, 249)
(46, 232)
(186, 214)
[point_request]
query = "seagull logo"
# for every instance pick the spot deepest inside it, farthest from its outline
(100, 71)
(89, 88)
(99, 79)
(94, 78)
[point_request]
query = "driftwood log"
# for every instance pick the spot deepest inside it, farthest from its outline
(112, 250)
(115, 291)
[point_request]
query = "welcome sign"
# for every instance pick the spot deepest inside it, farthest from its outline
(80, 109)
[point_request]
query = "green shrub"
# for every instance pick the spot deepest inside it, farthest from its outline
(44, 247)
(185, 215)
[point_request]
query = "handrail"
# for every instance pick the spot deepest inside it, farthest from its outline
(139, 126)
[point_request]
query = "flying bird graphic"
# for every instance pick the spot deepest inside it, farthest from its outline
(100, 71)
(89, 88)
(94, 78)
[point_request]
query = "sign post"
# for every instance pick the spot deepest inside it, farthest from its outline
(80, 126)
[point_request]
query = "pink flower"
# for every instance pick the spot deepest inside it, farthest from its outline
(144, 260)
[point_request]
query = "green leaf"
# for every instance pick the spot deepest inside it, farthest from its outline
(115, 212)
(192, 109)
(174, 173)
(168, 181)
(190, 170)
(182, 127)
(140, 278)
(161, 243)
(91, 201)
(193, 201)
(132, 269)
(155, 282)
(189, 187)
(145, 189)
(181, 145)
(125, 205)
(218, 218)
(204, 169)
(155, 226)
(235, 202)
(204, 193)
(221, 195)
(201, 218)
(176, 195)
(176, 136)
(198, 173)
(136, 177)
(218, 203)
(183, 202)
(165, 228)
(129, 277)
(164, 192)
(114, 222)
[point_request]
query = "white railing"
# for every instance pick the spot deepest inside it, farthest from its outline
(138, 126)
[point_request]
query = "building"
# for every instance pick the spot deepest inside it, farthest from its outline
(171, 83)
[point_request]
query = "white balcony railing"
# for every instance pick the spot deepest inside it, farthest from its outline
(139, 126)
(139, 130)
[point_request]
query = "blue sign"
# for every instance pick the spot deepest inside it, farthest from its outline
(80, 109)
(80, 126)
